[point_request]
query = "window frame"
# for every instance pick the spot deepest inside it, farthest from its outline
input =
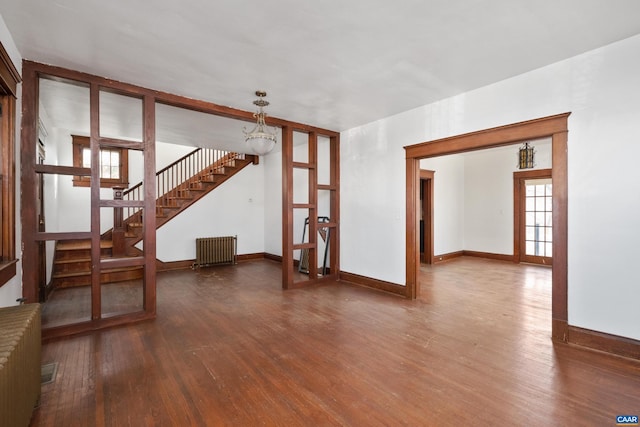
(79, 144)
(9, 79)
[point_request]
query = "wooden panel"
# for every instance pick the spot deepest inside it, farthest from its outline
(334, 181)
(300, 165)
(149, 136)
(122, 262)
(413, 225)
(63, 235)
(121, 143)
(122, 203)
(94, 116)
(28, 141)
(287, 207)
(8, 177)
(560, 212)
(63, 170)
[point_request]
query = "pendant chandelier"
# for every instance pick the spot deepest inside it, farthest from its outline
(261, 139)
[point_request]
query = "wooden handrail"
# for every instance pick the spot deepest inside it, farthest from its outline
(177, 176)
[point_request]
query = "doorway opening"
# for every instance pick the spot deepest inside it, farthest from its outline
(426, 216)
(533, 217)
(555, 127)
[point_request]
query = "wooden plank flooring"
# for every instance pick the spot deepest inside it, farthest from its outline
(230, 348)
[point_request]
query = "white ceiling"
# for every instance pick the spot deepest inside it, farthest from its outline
(330, 63)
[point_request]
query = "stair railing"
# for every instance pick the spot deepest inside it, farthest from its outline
(178, 175)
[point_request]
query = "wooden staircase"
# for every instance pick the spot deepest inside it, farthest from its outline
(180, 184)
(72, 265)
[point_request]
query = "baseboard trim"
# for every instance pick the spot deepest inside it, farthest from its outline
(273, 257)
(607, 343)
(457, 254)
(368, 282)
(488, 255)
(250, 257)
(447, 257)
(174, 265)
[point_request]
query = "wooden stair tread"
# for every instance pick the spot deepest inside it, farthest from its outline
(71, 260)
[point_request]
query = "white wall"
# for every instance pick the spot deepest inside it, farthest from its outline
(236, 208)
(488, 194)
(13, 288)
(473, 198)
(272, 164)
(600, 88)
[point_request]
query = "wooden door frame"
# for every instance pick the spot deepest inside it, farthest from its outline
(427, 206)
(518, 208)
(555, 127)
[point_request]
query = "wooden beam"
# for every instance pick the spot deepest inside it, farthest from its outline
(488, 138)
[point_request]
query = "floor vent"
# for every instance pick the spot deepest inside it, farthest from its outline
(48, 373)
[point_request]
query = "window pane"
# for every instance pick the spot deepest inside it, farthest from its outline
(105, 158)
(530, 190)
(105, 171)
(549, 204)
(540, 203)
(530, 233)
(549, 193)
(86, 158)
(540, 217)
(540, 190)
(115, 172)
(549, 249)
(530, 201)
(530, 248)
(530, 218)
(548, 234)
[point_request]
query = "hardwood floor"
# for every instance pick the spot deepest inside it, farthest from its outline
(229, 347)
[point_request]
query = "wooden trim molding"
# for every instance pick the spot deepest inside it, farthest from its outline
(608, 343)
(488, 255)
(519, 178)
(9, 75)
(368, 282)
(555, 127)
(273, 257)
(7, 271)
(446, 257)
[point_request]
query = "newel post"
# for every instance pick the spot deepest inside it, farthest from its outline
(118, 225)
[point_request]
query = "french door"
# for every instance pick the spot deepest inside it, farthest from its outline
(533, 233)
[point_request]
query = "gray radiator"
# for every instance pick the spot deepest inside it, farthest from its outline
(19, 363)
(215, 250)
